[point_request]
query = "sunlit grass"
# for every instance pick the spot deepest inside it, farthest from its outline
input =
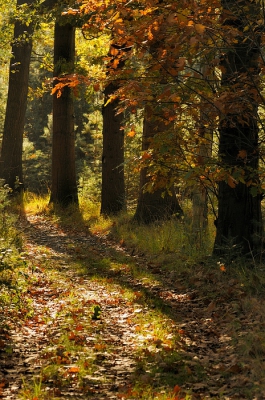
(159, 240)
(169, 245)
(33, 390)
(35, 204)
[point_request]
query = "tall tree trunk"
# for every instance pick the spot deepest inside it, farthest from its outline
(12, 145)
(113, 184)
(159, 204)
(64, 186)
(239, 223)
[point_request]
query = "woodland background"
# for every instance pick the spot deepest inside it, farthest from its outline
(131, 199)
(139, 105)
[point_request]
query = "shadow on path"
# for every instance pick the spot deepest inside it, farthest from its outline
(201, 341)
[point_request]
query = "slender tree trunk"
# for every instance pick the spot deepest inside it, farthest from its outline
(159, 204)
(113, 184)
(64, 186)
(199, 211)
(200, 193)
(12, 145)
(239, 223)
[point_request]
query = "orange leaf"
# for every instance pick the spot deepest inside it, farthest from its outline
(242, 154)
(114, 51)
(150, 35)
(96, 87)
(100, 346)
(115, 63)
(222, 268)
(79, 327)
(146, 155)
(200, 28)
(2, 386)
(132, 132)
(176, 389)
(73, 370)
(231, 182)
(71, 335)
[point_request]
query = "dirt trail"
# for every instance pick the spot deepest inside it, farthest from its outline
(205, 345)
(30, 339)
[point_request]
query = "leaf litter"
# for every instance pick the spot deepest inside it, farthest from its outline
(93, 328)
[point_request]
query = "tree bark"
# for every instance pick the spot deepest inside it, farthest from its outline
(239, 222)
(64, 186)
(159, 204)
(113, 185)
(113, 198)
(12, 145)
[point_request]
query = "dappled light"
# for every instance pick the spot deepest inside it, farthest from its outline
(132, 188)
(94, 321)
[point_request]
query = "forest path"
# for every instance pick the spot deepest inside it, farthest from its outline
(93, 328)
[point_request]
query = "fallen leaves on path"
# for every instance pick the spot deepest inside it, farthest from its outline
(94, 328)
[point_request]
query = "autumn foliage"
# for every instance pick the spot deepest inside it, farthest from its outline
(197, 68)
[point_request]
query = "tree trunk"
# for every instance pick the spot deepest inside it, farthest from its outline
(12, 145)
(159, 204)
(199, 211)
(239, 222)
(64, 187)
(113, 184)
(203, 153)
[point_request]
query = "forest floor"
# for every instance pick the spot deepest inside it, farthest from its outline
(101, 323)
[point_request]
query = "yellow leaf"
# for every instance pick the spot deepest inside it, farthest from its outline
(111, 98)
(118, 21)
(200, 28)
(116, 16)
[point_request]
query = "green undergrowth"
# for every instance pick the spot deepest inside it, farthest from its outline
(162, 240)
(228, 294)
(13, 264)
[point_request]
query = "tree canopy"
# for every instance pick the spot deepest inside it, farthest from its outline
(195, 67)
